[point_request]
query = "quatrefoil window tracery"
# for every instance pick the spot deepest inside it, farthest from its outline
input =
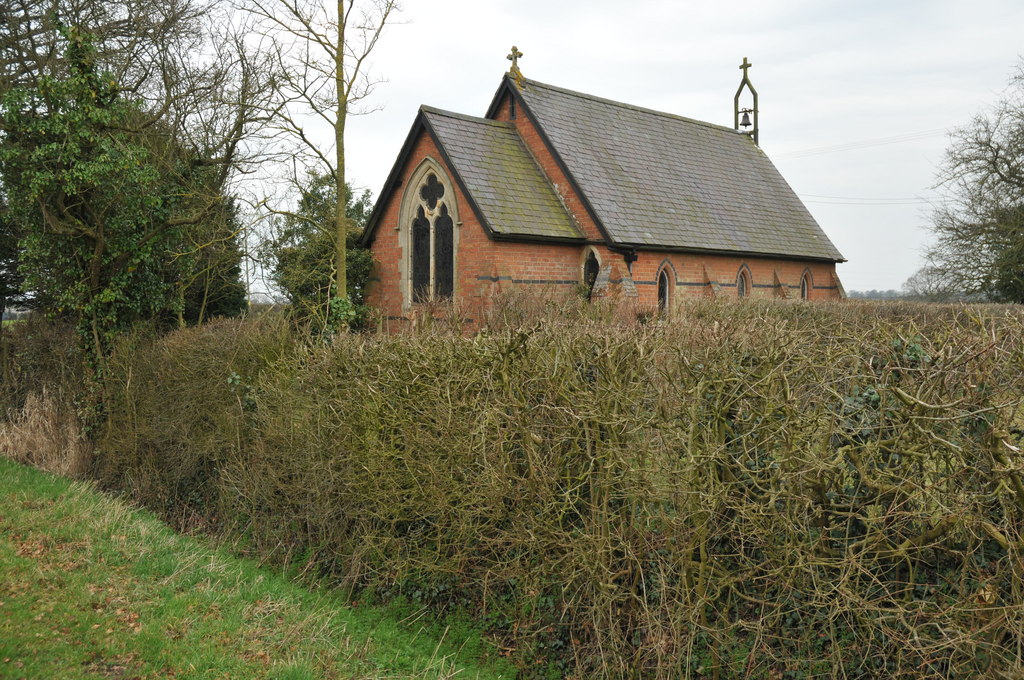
(431, 191)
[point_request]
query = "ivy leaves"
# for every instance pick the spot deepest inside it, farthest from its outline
(93, 202)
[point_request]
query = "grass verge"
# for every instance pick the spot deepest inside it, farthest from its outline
(91, 588)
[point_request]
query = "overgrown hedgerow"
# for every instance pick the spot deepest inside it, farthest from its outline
(750, 490)
(180, 410)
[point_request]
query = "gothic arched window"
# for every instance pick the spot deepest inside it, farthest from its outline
(420, 257)
(743, 283)
(664, 291)
(431, 240)
(444, 254)
(805, 286)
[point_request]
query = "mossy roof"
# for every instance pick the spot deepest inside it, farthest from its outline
(508, 188)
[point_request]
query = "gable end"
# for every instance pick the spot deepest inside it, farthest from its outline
(509, 88)
(393, 182)
(461, 141)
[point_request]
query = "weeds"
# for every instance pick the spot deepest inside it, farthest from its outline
(46, 434)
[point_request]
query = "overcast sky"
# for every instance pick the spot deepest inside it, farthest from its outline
(856, 98)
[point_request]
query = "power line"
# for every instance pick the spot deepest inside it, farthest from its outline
(868, 198)
(864, 200)
(877, 204)
(864, 143)
(866, 203)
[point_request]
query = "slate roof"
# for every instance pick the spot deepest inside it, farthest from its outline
(498, 173)
(654, 179)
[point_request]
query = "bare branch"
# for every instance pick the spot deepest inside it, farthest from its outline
(329, 75)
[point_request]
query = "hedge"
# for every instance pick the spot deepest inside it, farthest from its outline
(748, 490)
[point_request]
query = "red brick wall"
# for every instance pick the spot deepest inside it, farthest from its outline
(484, 267)
(690, 274)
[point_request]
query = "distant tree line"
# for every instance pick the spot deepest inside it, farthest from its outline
(874, 294)
(925, 285)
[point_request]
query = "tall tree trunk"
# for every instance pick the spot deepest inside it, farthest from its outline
(313, 22)
(206, 299)
(5, 375)
(340, 222)
(181, 305)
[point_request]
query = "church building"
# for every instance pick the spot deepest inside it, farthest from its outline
(555, 190)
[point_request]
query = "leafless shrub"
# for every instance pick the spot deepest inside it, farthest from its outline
(516, 308)
(35, 355)
(180, 407)
(744, 490)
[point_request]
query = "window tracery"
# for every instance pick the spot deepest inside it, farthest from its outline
(431, 238)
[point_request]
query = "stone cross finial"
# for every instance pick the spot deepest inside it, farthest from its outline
(744, 66)
(516, 74)
(514, 58)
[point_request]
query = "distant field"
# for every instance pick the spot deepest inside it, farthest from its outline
(90, 588)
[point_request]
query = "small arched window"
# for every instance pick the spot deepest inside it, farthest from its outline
(805, 286)
(743, 283)
(591, 268)
(664, 291)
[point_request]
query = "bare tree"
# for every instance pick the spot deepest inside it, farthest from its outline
(188, 63)
(931, 284)
(980, 230)
(135, 40)
(322, 54)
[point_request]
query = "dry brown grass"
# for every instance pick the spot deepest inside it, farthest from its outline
(47, 434)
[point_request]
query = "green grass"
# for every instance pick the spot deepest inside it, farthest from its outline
(91, 588)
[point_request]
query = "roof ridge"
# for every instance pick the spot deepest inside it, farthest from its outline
(631, 107)
(462, 116)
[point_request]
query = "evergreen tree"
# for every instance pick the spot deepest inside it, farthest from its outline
(113, 214)
(301, 257)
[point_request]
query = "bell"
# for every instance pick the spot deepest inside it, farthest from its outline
(745, 121)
